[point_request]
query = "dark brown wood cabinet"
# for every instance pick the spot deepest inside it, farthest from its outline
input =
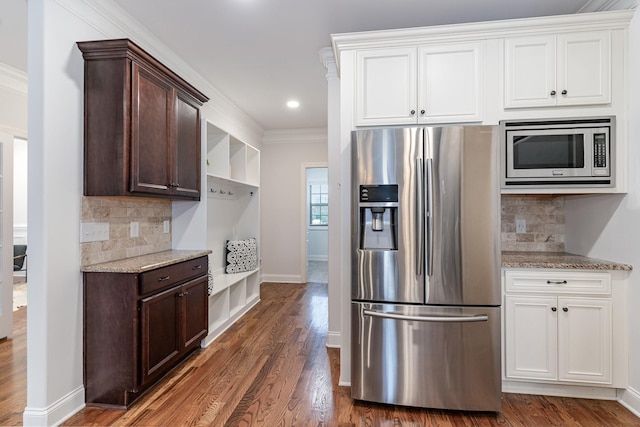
(142, 125)
(139, 326)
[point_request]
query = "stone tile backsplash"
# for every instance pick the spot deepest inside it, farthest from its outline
(544, 218)
(119, 212)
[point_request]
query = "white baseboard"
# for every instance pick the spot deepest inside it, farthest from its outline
(333, 339)
(630, 399)
(282, 278)
(563, 390)
(56, 413)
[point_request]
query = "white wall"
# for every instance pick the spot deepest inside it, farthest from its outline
(13, 101)
(282, 195)
(54, 363)
(608, 227)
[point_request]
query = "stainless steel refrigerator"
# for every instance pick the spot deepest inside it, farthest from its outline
(425, 311)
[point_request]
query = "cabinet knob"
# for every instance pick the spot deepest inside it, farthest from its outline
(413, 112)
(197, 267)
(564, 92)
(422, 112)
(164, 278)
(556, 282)
(565, 309)
(554, 309)
(553, 93)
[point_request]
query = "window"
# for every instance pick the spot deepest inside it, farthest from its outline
(318, 204)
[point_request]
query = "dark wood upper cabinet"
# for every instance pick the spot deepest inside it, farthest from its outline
(142, 125)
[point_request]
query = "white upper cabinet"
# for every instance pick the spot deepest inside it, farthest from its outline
(386, 89)
(427, 84)
(557, 70)
(450, 83)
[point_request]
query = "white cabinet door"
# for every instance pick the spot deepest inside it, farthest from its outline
(584, 340)
(386, 87)
(449, 83)
(567, 69)
(530, 72)
(531, 337)
(584, 68)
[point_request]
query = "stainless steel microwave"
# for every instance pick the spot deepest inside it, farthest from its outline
(560, 152)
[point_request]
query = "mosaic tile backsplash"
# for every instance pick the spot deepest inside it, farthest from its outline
(119, 212)
(544, 223)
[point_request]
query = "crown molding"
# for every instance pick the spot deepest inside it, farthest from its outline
(13, 80)
(452, 33)
(295, 136)
(112, 21)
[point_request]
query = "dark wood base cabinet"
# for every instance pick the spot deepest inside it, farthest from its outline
(138, 326)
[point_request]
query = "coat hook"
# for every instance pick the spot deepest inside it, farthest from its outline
(231, 193)
(223, 192)
(213, 191)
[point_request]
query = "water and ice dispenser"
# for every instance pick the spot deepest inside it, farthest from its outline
(378, 217)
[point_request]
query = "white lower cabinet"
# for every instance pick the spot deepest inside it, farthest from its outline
(573, 332)
(558, 338)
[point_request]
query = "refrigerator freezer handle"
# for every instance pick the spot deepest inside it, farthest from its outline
(419, 216)
(448, 319)
(430, 233)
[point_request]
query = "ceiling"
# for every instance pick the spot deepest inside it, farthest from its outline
(261, 53)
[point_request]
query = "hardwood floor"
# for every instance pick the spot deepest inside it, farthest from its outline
(272, 369)
(13, 372)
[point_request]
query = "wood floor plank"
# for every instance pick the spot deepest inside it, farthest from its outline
(272, 368)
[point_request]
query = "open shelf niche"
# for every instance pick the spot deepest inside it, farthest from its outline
(233, 213)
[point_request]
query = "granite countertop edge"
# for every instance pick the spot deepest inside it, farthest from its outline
(558, 260)
(143, 263)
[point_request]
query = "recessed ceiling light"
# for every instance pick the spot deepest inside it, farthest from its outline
(293, 104)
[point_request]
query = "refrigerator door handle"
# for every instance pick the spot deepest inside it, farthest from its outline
(430, 217)
(419, 216)
(446, 319)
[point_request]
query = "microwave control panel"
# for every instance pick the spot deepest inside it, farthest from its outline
(599, 150)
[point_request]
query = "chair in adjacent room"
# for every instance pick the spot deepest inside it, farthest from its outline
(19, 257)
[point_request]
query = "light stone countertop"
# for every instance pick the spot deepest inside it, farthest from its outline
(560, 260)
(144, 263)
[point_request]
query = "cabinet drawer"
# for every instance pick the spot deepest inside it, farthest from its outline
(557, 282)
(160, 278)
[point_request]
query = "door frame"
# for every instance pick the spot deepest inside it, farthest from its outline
(303, 214)
(6, 222)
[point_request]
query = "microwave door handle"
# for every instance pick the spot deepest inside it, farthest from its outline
(419, 217)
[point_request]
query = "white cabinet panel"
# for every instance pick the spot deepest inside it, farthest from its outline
(449, 83)
(386, 86)
(530, 71)
(554, 281)
(584, 68)
(531, 337)
(584, 338)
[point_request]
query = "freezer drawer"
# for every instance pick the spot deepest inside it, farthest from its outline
(425, 356)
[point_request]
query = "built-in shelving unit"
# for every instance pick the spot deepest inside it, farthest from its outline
(233, 213)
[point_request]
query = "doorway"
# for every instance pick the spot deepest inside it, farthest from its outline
(317, 224)
(20, 276)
